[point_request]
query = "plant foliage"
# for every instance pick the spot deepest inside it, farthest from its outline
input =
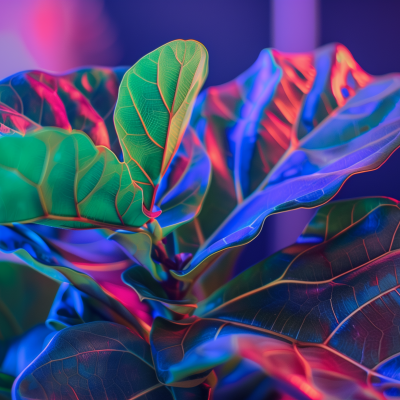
(131, 199)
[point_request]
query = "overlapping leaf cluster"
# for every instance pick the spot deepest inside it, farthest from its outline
(139, 227)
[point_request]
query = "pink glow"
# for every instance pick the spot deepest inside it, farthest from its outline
(56, 35)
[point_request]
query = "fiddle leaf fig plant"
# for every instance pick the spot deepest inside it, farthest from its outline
(137, 196)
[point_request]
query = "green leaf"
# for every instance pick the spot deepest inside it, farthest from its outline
(58, 178)
(154, 105)
(138, 247)
(62, 179)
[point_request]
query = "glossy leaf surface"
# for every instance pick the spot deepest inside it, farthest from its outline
(332, 298)
(299, 372)
(22, 350)
(74, 307)
(97, 360)
(61, 179)
(148, 288)
(138, 247)
(180, 199)
(359, 251)
(184, 186)
(94, 261)
(320, 317)
(91, 263)
(313, 170)
(330, 220)
(249, 123)
(83, 99)
(155, 101)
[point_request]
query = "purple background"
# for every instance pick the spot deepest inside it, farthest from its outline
(235, 31)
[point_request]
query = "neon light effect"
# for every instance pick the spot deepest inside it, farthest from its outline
(139, 200)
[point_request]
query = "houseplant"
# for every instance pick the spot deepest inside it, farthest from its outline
(142, 200)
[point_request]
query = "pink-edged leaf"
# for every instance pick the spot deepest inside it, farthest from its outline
(313, 170)
(87, 260)
(235, 260)
(329, 304)
(83, 99)
(168, 293)
(189, 349)
(248, 124)
(88, 175)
